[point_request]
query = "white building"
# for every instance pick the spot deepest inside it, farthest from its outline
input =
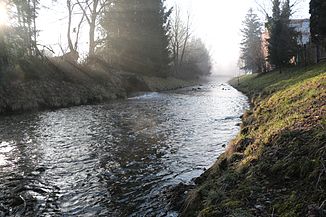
(302, 26)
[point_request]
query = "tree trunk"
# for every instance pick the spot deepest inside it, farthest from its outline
(280, 68)
(30, 31)
(91, 12)
(78, 32)
(318, 52)
(91, 51)
(185, 43)
(92, 27)
(71, 47)
(34, 28)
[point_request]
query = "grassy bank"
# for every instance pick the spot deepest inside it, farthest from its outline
(276, 166)
(36, 84)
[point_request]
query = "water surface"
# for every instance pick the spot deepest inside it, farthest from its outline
(114, 159)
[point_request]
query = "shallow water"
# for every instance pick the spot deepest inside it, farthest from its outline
(114, 159)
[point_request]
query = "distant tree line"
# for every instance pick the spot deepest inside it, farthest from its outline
(142, 36)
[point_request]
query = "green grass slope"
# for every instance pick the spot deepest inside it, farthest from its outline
(276, 166)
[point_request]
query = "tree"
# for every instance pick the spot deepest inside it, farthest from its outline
(180, 35)
(73, 53)
(318, 19)
(282, 45)
(26, 14)
(318, 23)
(3, 51)
(92, 9)
(19, 40)
(197, 60)
(3, 47)
(137, 36)
(251, 45)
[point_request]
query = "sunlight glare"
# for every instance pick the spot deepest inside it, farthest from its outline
(3, 15)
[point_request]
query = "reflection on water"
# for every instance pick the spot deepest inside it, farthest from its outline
(115, 159)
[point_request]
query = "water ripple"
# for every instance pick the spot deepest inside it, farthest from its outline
(114, 159)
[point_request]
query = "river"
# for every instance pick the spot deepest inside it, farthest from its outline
(114, 159)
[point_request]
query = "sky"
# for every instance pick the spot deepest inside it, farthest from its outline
(217, 22)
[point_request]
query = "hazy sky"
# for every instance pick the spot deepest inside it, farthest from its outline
(217, 22)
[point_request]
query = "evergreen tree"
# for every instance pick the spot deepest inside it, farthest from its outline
(276, 9)
(137, 36)
(251, 45)
(318, 20)
(283, 38)
(26, 12)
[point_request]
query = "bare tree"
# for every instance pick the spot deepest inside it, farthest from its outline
(91, 10)
(180, 35)
(73, 46)
(197, 61)
(70, 10)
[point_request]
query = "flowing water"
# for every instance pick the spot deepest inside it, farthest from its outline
(114, 159)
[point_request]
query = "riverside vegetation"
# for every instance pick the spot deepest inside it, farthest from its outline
(35, 84)
(129, 50)
(276, 166)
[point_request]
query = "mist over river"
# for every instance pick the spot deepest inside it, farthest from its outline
(114, 159)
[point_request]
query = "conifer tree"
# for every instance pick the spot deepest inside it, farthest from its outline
(318, 19)
(283, 38)
(251, 45)
(137, 36)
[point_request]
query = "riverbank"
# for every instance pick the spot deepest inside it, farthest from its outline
(276, 166)
(51, 84)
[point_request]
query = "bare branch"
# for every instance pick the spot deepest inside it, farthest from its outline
(262, 8)
(78, 31)
(104, 4)
(84, 11)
